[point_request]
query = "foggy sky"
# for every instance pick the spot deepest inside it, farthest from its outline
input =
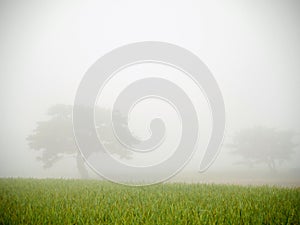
(251, 47)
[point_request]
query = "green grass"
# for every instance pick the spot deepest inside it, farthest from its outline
(54, 201)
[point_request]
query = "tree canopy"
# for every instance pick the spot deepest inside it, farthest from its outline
(264, 145)
(55, 140)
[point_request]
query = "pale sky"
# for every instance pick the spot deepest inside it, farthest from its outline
(251, 47)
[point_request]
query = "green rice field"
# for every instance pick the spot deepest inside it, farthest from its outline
(59, 201)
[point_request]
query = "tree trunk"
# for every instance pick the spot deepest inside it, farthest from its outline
(81, 167)
(272, 165)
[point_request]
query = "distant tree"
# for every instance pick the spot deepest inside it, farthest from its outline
(54, 137)
(263, 145)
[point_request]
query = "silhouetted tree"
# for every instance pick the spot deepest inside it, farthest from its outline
(263, 145)
(54, 138)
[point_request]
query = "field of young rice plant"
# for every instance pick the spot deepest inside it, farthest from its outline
(58, 201)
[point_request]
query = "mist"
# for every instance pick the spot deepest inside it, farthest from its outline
(251, 48)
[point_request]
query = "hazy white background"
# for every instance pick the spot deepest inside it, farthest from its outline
(251, 47)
